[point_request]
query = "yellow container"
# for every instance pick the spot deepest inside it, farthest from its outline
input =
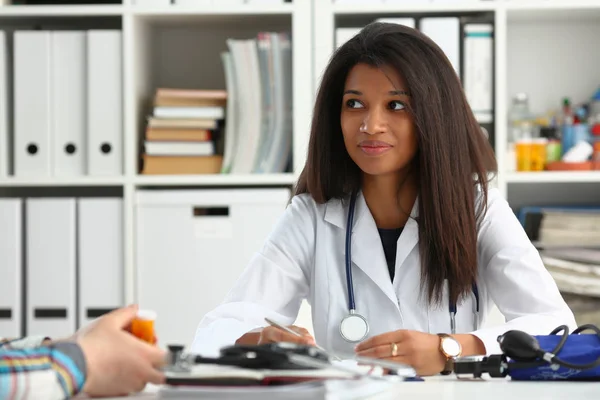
(523, 150)
(538, 154)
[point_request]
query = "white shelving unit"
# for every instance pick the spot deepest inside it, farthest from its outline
(178, 46)
(545, 48)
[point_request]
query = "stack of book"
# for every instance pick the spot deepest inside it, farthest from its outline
(568, 239)
(576, 270)
(182, 132)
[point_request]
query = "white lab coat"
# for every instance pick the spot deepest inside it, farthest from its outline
(303, 258)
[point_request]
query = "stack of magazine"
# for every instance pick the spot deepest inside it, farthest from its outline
(258, 126)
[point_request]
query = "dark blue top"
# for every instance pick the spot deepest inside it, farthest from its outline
(389, 240)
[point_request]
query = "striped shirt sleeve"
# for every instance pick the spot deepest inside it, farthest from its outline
(48, 372)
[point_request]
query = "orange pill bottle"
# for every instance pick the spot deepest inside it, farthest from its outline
(142, 326)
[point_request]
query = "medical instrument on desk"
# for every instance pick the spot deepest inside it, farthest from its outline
(274, 356)
(547, 357)
(293, 332)
(264, 356)
(354, 327)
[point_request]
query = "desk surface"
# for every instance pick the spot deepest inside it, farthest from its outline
(447, 388)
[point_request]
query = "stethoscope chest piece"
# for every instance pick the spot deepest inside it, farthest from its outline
(354, 328)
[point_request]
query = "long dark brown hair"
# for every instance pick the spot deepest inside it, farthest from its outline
(453, 154)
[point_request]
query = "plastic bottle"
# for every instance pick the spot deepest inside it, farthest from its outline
(566, 122)
(594, 126)
(581, 132)
(521, 133)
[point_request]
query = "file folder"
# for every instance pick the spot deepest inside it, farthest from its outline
(478, 64)
(342, 35)
(105, 102)
(406, 21)
(68, 102)
(100, 257)
(11, 263)
(50, 266)
(445, 32)
(32, 110)
(4, 152)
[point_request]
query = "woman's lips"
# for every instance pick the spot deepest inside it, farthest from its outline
(374, 147)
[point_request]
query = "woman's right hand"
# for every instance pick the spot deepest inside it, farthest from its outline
(271, 334)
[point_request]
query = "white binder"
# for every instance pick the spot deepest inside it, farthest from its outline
(4, 152)
(68, 102)
(406, 21)
(11, 266)
(50, 261)
(342, 35)
(445, 32)
(478, 63)
(105, 102)
(32, 115)
(100, 257)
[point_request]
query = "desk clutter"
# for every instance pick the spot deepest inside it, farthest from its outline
(244, 129)
(567, 138)
(280, 370)
(287, 370)
(62, 263)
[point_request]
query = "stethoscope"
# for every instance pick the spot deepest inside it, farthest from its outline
(354, 327)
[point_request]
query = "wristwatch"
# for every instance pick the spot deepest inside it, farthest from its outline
(451, 349)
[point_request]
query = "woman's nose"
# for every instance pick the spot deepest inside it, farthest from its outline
(375, 122)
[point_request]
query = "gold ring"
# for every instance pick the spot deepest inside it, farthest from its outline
(394, 349)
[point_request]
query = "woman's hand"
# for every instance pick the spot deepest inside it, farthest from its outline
(417, 349)
(271, 334)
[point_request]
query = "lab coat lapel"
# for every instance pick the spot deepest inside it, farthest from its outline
(409, 237)
(367, 250)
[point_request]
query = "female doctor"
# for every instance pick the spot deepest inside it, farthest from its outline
(392, 235)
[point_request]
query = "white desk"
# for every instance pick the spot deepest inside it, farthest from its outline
(449, 388)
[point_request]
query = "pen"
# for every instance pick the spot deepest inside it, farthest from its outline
(290, 331)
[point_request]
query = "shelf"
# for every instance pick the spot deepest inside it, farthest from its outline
(402, 8)
(560, 11)
(74, 181)
(187, 12)
(216, 180)
(554, 177)
(61, 11)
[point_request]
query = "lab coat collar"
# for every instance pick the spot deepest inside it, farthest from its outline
(367, 251)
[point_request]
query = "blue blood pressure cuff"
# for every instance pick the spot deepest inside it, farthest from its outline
(559, 356)
(564, 356)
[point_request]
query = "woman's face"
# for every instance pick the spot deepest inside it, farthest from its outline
(379, 133)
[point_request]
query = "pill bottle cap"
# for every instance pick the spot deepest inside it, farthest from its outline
(148, 315)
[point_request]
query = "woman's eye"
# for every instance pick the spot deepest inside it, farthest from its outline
(396, 105)
(353, 104)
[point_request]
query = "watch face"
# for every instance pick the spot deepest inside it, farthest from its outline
(451, 347)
